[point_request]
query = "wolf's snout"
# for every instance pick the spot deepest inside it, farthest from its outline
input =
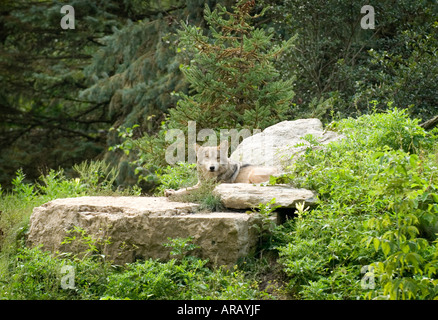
(211, 168)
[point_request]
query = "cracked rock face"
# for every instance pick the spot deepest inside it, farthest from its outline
(137, 227)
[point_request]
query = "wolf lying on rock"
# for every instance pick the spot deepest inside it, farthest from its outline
(213, 163)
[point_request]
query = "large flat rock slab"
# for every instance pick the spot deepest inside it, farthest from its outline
(137, 227)
(246, 196)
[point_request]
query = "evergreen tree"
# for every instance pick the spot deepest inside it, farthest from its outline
(232, 77)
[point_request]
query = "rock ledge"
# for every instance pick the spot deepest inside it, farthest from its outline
(137, 227)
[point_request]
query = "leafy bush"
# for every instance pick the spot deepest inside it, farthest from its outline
(407, 234)
(35, 274)
(377, 208)
(96, 176)
(182, 175)
(184, 277)
(394, 129)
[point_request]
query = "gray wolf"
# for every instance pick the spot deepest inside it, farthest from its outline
(213, 163)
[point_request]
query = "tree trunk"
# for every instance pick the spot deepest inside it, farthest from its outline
(429, 124)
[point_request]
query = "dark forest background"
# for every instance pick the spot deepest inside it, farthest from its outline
(61, 91)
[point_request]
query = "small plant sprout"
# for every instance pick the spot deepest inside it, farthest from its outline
(300, 209)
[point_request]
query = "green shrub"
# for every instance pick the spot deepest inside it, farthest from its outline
(181, 175)
(184, 277)
(393, 129)
(35, 274)
(406, 234)
(323, 248)
(378, 207)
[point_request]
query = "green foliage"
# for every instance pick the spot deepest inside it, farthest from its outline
(44, 123)
(181, 175)
(133, 75)
(24, 190)
(54, 185)
(377, 208)
(96, 176)
(186, 277)
(396, 74)
(323, 250)
(232, 77)
(396, 131)
(80, 239)
(268, 223)
(180, 247)
(202, 195)
(405, 235)
(61, 90)
(341, 67)
(146, 154)
(35, 274)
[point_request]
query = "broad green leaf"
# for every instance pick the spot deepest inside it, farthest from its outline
(376, 243)
(386, 248)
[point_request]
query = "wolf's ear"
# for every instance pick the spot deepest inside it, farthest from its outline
(224, 145)
(197, 146)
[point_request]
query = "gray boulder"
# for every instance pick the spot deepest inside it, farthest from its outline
(247, 196)
(275, 146)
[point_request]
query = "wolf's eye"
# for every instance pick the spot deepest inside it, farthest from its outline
(206, 155)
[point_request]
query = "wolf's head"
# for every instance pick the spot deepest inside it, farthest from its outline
(212, 161)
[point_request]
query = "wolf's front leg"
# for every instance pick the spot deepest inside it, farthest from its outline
(171, 192)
